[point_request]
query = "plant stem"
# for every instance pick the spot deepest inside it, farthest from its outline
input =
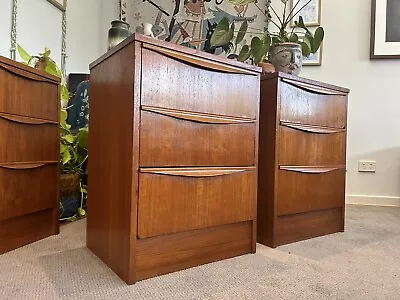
(284, 13)
(290, 19)
(273, 10)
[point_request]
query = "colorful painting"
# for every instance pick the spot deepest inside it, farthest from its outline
(192, 22)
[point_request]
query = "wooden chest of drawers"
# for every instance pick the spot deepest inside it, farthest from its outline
(173, 158)
(302, 158)
(29, 155)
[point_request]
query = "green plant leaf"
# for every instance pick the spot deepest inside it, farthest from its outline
(63, 116)
(305, 49)
(276, 40)
(51, 68)
(83, 138)
(81, 212)
(242, 32)
(266, 43)
(318, 38)
(66, 156)
(293, 38)
(69, 138)
(222, 34)
(308, 39)
(259, 49)
(301, 24)
(47, 52)
(64, 93)
(24, 55)
(244, 53)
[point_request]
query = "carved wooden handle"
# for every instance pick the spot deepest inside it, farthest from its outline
(27, 75)
(196, 172)
(25, 166)
(26, 120)
(311, 170)
(313, 129)
(312, 88)
(197, 117)
(205, 63)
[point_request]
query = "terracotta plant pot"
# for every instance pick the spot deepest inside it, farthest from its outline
(69, 195)
(266, 68)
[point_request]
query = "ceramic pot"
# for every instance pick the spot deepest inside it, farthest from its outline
(117, 33)
(286, 57)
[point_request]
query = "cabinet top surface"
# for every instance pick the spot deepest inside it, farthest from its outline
(148, 40)
(18, 65)
(304, 80)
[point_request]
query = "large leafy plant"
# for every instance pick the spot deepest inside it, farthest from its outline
(224, 33)
(44, 62)
(259, 46)
(73, 145)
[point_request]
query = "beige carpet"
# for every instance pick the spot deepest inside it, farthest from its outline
(362, 263)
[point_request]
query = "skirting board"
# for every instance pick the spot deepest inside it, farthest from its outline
(373, 200)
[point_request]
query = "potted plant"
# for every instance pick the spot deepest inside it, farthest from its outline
(73, 145)
(289, 46)
(283, 48)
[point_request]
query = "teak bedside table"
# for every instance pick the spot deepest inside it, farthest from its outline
(302, 159)
(173, 158)
(29, 155)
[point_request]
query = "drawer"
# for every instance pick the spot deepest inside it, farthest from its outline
(305, 189)
(28, 94)
(26, 140)
(180, 81)
(307, 104)
(305, 145)
(27, 188)
(176, 138)
(174, 200)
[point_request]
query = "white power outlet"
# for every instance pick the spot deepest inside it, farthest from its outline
(366, 166)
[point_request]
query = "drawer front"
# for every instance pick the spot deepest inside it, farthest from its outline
(309, 189)
(27, 188)
(306, 104)
(26, 94)
(174, 138)
(28, 140)
(309, 146)
(177, 200)
(179, 81)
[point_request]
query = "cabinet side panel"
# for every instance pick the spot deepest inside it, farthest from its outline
(266, 162)
(110, 164)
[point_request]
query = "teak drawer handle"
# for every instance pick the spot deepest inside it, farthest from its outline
(197, 117)
(312, 88)
(24, 166)
(25, 120)
(26, 74)
(310, 170)
(312, 129)
(198, 61)
(196, 172)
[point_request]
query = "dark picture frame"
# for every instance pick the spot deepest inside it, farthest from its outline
(385, 31)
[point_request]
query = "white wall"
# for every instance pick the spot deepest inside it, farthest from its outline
(374, 103)
(39, 26)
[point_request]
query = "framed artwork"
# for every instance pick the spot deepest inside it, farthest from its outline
(314, 59)
(385, 29)
(60, 4)
(311, 13)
